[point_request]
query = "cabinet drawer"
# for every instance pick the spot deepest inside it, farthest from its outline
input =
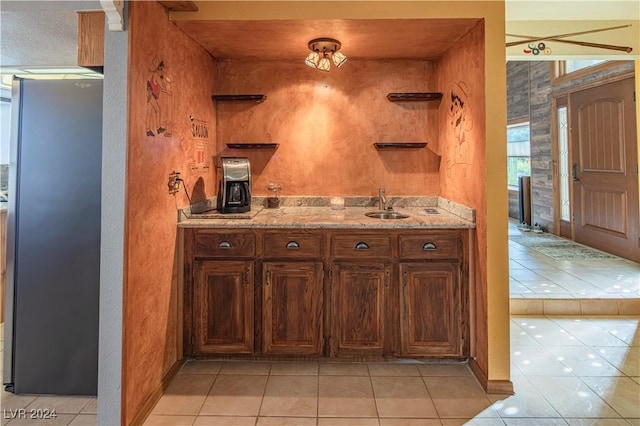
(360, 246)
(292, 245)
(430, 246)
(227, 244)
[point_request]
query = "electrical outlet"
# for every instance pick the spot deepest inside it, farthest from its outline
(174, 182)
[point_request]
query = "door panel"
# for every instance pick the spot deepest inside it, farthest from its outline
(604, 153)
(430, 309)
(224, 307)
(359, 305)
(292, 308)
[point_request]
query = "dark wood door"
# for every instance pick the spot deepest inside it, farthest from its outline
(292, 307)
(430, 309)
(359, 292)
(605, 175)
(223, 306)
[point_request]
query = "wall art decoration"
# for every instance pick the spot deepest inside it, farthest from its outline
(200, 160)
(460, 118)
(460, 121)
(535, 45)
(159, 100)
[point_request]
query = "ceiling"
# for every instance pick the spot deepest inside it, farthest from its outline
(43, 33)
(287, 40)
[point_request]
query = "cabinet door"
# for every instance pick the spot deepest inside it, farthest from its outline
(223, 305)
(291, 308)
(358, 297)
(430, 309)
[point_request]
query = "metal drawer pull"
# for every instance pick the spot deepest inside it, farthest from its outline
(293, 245)
(362, 246)
(428, 246)
(225, 245)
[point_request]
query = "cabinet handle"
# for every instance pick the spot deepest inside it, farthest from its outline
(225, 245)
(293, 245)
(362, 246)
(429, 246)
(387, 279)
(404, 279)
(268, 277)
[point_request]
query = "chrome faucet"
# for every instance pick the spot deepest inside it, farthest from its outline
(382, 200)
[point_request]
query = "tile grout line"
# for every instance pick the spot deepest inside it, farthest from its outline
(373, 392)
(215, 378)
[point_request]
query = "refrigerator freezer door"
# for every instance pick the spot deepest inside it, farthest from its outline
(53, 253)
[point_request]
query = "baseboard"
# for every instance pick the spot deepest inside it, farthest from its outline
(609, 306)
(155, 396)
(490, 386)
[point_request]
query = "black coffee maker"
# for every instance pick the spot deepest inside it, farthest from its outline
(234, 191)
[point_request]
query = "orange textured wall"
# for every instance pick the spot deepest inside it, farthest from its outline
(463, 142)
(157, 145)
(326, 124)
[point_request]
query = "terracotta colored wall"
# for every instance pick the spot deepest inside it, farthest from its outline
(326, 124)
(151, 309)
(462, 144)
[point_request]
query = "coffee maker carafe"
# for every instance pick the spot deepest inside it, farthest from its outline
(234, 191)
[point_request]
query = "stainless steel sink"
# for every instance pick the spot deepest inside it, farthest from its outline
(386, 215)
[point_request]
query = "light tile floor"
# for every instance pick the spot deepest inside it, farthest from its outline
(566, 371)
(534, 275)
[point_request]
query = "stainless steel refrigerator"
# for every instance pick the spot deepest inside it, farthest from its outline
(53, 238)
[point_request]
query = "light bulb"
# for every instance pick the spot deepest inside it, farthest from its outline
(324, 64)
(312, 59)
(338, 59)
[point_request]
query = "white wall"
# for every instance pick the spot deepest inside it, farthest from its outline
(114, 156)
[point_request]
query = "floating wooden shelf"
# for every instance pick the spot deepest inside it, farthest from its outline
(396, 145)
(240, 98)
(253, 145)
(414, 96)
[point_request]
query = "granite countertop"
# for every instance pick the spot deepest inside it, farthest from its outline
(323, 217)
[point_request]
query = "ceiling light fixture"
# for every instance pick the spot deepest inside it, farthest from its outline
(321, 50)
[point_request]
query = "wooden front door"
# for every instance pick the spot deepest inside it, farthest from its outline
(605, 176)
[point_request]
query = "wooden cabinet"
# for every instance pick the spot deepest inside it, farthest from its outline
(216, 244)
(292, 308)
(223, 307)
(430, 309)
(91, 39)
(361, 246)
(263, 291)
(431, 314)
(359, 293)
(293, 245)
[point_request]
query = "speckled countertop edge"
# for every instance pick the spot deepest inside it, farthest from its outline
(315, 213)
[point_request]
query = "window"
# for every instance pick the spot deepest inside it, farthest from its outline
(518, 152)
(562, 71)
(563, 151)
(572, 66)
